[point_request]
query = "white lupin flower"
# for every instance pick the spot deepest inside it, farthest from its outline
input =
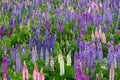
(69, 59)
(59, 55)
(62, 70)
(61, 62)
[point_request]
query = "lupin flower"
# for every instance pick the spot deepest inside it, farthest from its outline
(110, 56)
(93, 36)
(99, 51)
(28, 24)
(103, 38)
(75, 60)
(41, 75)
(52, 63)
(34, 55)
(38, 32)
(47, 58)
(23, 50)
(13, 54)
(97, 77)
(111, 75)
(2, 30)
(96, 33)
(35, 73)
(115, 62)
(72, 15)
(69, 59)
(119, 18)
(5, 64)
(62, 69)
(100, 32)
(79, 72)
(9, 34)
(41, 53)
(60, 26)
(25, 72)
(18, 63)
(59, 55)
(61, 62)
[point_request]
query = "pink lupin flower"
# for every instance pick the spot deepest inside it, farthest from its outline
(103, 38)
(35, 73)
(41, 75)
(93, 36)
(96, 33)
(111, 77)
(100, 32)
(25, 72)
(5, 77)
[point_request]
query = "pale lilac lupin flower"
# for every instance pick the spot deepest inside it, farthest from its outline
(47, 58)
(18, 63)
(41, 53)
(34, 55)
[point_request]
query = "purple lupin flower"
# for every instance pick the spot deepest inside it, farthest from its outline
(9, 34)
(75, 61)
(13, 22)
(19, 16)
(97, 19)
(99, 51)
(75, 28)
(93, 51)
(18, 63)
(38, 32)
(5, 65)
(119, 17)
(79, 73)
(60, 26)
(118, 55)
(110, 56)
(2, 30)
(82, 59)
(72, 16)
(13, 53)
(82, 47)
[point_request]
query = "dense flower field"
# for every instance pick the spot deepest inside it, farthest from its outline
(60, 40)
